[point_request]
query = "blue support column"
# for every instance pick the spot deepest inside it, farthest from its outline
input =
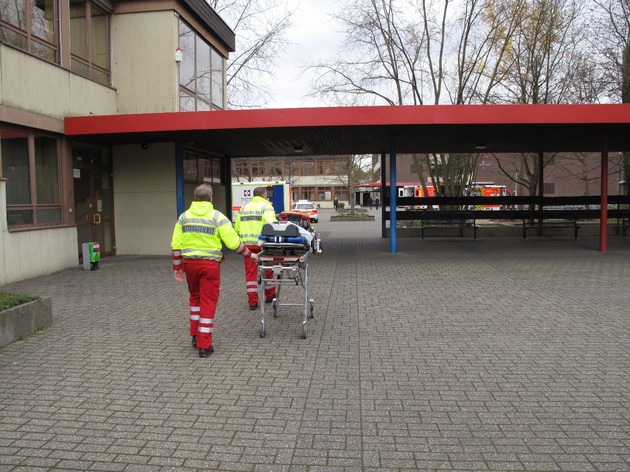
(226, 177)
(382, 196)
(393, 204)
(179, 177)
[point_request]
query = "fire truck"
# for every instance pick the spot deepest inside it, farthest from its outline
(278, 193)
(488, 190)
(418, 192)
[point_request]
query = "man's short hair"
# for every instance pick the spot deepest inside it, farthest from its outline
(203, 193)
(260, 192)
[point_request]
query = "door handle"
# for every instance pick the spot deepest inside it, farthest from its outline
(96, 219)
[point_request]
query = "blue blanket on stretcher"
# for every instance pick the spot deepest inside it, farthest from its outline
(285, 233)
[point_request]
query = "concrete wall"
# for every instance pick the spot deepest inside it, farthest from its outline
(32, 253)
(27, 254)
(145, 202)
(145, 73)
(25, 319)
(22, 79)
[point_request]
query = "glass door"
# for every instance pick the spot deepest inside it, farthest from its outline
(93, 198)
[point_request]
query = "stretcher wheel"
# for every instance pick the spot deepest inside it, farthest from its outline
(262, 333)
(303, 331)
(312, 309)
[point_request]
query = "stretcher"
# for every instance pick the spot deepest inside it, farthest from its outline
(285, 250)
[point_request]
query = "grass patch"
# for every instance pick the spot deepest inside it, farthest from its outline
(10, 300)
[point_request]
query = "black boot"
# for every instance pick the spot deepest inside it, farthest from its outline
(206, 352)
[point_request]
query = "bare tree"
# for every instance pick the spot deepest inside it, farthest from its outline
(538, 65)
(539, 58)
(524, 168)
(404, 52)
(260, 27)
(588, 168)
(350, 170)
(612, 40)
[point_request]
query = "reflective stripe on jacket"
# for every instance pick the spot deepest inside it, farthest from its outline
(252, 217)
(201, 231)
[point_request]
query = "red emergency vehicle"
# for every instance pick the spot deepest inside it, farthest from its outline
(489, 190)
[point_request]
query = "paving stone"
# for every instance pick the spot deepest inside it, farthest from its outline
(453, 354)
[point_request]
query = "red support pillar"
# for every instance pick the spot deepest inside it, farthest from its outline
(603, 219)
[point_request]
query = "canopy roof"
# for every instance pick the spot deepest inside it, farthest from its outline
(371, 130)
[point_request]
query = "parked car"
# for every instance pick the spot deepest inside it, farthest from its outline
(304, 206)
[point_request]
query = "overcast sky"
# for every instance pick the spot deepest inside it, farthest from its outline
(313, 36)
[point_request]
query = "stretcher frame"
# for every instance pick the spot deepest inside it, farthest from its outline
(288, 263)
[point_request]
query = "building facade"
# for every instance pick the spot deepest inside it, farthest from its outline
(316, 178)
(61, 58)
(320, 178)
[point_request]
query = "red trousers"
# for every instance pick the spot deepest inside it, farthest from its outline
(204, 283)
(251, 279)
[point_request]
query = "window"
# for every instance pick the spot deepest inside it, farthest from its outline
(199, 167)
(257, 169)
(308, 168)
(31, 26)
(201, 73)
(307, 193)
(30, 164)
(217, 78)
(240, 167)
(324, 167)
(322, 192)
(549, 188)
(290, 168)
(89, 41)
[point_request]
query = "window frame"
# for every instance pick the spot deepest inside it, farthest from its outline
(207, 167)
(93, 69)
(33, 206)
(192, 97)
(31, 39)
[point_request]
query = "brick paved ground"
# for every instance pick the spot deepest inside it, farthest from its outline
(496, 354)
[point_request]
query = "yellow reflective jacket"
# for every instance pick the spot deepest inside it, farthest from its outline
(201, 231)
(252, 217)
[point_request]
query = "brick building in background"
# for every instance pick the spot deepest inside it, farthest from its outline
(318, 178)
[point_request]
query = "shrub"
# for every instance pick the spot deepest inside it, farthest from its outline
(9, 300)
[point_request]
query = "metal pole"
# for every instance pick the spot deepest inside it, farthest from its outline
(382, 195)
(392, 197)
(179, 177)
(603, 219)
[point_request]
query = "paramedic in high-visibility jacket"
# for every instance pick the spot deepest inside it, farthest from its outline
(198, 238)
(249, 224)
